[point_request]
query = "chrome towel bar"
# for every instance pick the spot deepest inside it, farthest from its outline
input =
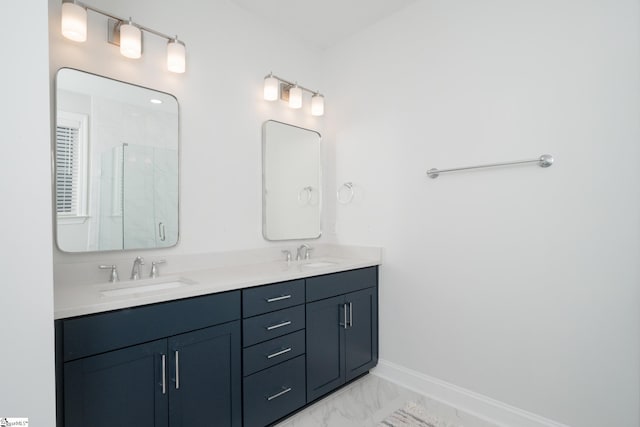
(543, 161)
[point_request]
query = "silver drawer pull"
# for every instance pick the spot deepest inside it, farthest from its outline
(164, 375)
(345, 324)
(281, 352)
(351, 315)
(177, 370)
(280, 298)
(275, 396)
(279, 325)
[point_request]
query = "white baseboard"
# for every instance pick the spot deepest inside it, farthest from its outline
(483, 407)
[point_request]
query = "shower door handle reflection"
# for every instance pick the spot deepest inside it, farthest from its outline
(162, 233)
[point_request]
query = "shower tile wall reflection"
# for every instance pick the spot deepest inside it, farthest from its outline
(129, 197)
(150, 175)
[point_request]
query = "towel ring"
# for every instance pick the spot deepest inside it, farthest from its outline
(306, 190)
(350, 194)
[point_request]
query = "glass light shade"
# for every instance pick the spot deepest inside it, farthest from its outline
(271, 88)
(74, 22)
(176, 56)
(130, 41)
(295, 97)
(317, 105)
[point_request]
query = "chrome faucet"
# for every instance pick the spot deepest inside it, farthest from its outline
(135, 271)
(288, 255)
(154, 268)
(300, 250)
(113, 274)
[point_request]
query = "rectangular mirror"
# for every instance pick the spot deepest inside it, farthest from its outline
(291, 182)
(115, 165)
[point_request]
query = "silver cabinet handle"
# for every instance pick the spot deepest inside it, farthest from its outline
(162, 234)
(280, 298)
(279, 325)
(281, 352)
(164, 374)
(344, 313)
(283, 392)
(350, 315)
(177, 370)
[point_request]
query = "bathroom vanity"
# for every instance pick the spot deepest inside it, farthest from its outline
(220, 344)
(246, 353)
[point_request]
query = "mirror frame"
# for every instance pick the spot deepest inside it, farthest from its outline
(54, 118)
(264, 197)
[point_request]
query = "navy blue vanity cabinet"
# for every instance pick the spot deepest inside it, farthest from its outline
(173, 364)
(119, 387)
(274, 362)
(245, 358)
(204, 385)
(341, 328)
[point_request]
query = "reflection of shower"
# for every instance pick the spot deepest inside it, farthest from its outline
(306, 196)
(118, 183)
(139, 198)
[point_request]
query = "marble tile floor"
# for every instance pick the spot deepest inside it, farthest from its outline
(371, 399)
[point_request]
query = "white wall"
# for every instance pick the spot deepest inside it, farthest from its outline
(521, 284)
(228, 54)
(26, 330)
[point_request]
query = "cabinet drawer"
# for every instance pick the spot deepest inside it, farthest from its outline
(99, 333)
(274, 297)
(272, 352)
(274, 393)
(272, 325)
(329, 285)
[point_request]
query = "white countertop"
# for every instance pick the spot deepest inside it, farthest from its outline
(80, 299)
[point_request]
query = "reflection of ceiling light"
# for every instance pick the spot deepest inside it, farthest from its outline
(155, 101)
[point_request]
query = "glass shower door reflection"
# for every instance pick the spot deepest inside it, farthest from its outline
(166, 196)
(149, 210)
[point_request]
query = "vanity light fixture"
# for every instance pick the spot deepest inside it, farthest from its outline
(295, 97)
(271, 86)
(121, 32)
(176, 56)
(74, 22)
(276, 87)
(317, 105)
(130, 40)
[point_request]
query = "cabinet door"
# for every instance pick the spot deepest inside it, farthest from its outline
(361, 343)
(325, 346)
(205, 377)
(118, 388)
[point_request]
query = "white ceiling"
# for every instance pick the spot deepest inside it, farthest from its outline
(322, 23)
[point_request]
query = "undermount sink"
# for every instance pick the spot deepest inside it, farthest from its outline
(319, 264)
(147, 286)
